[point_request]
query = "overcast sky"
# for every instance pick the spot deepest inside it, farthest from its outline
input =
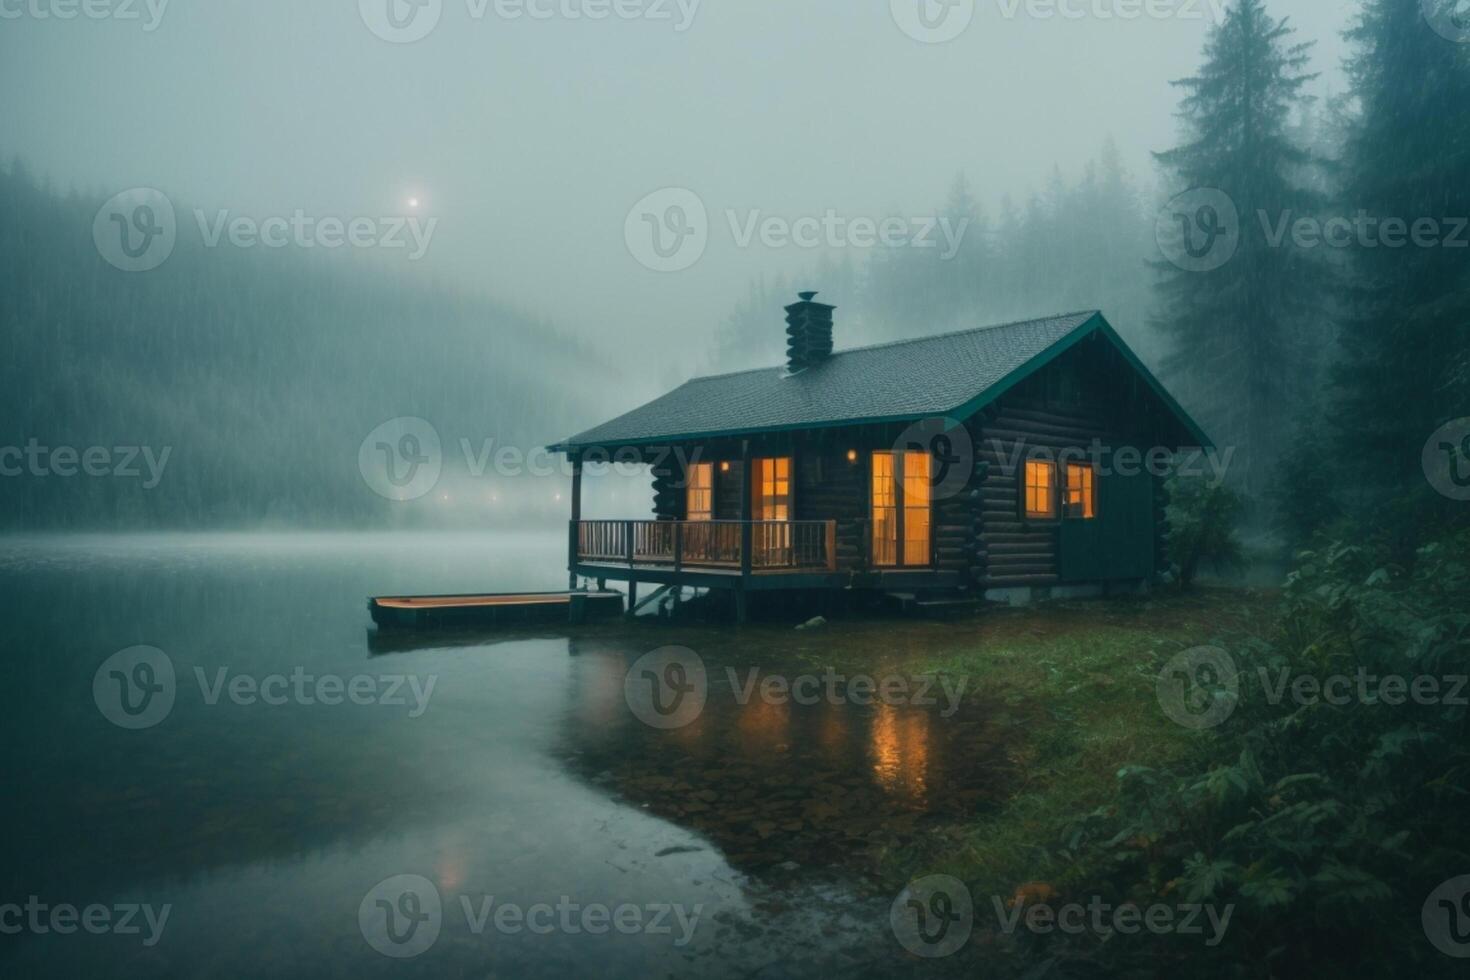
(530, 139)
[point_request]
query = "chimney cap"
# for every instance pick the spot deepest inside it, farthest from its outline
(808, 297)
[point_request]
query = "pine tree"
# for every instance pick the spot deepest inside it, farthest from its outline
(1406, 339)
(1234, 332)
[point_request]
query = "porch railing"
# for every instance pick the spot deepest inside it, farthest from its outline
(774, 545)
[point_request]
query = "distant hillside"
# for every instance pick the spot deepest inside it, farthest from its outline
(261, 371)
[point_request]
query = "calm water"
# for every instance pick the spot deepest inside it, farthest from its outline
(521, 775)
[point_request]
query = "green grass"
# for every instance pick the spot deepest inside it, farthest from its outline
(1080, 681)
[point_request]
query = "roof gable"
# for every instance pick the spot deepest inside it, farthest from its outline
(950, 375)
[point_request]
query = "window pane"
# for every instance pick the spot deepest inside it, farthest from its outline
(772, 489)
(885, 510)
(1041, 501)
(916, 493)
(700, 502)
(1081, 491)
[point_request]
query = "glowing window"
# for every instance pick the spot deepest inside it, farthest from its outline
(916, 494)
(885, 510)
(1081, 491)
(700, 502)
(911, 518)
(773, 489)
(1041, 485)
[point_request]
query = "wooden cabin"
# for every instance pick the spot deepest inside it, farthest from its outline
(1006, 462)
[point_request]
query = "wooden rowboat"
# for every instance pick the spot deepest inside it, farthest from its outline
(503, 609)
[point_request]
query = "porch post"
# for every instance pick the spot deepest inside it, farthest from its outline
(745, 529)
(745, 508)
(575, 529)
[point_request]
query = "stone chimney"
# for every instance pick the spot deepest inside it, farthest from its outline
(808, 333)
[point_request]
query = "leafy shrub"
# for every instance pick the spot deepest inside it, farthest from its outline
(1202, 525)
(1326, 825)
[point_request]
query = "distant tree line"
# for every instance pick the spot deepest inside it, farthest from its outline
(260, 372)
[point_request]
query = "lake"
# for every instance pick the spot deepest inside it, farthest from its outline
(302, 798)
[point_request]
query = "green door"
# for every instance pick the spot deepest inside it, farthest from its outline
(1118, 543)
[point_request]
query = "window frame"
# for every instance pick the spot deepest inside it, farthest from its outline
(897, 496)
(757, 488)
(693, 486)
(1088, 506)
(1054, 510)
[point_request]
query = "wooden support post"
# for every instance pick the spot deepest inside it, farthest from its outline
(746, 528)
(574, 534)
(632, 597)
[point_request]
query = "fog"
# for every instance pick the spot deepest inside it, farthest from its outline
(531, 139)
(518, 218)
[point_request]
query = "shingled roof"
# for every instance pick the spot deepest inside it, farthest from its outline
(952, 375)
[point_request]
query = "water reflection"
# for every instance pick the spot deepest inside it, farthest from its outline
(900, 753)
(777, 781)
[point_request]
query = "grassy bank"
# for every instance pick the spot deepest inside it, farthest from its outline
(1078, 679)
